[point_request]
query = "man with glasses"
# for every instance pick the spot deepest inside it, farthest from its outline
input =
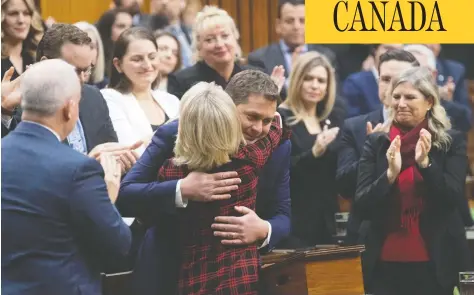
(93, 132)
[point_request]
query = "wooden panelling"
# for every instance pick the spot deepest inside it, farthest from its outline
(74, 11)
(71, 11)
(255, 20)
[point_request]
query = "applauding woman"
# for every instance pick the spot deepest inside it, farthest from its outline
(315, 115)
(136, 107)
(410, 185)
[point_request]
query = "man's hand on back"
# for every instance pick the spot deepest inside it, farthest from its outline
(243, 230)
(203, 187)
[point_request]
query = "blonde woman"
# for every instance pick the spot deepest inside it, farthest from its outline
(210, 139)
(215, 47)
(410, 186)
(97, 77)
(22, 29)
(315, 115)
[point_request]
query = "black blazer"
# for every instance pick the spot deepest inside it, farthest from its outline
(181, 81)
(312, 183)
(94, 116)
(271, 56)
(268, 57)
(441, 224)
(353, 137)
(352, 141)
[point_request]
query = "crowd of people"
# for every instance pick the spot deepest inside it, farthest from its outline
(220, 157)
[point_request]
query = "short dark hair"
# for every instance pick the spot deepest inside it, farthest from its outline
(55, 37)
(398, 55)
(292, 2)
(248, 82)
(119, 81)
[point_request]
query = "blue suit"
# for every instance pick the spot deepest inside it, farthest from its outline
(58, 224)
(142, 196)
(446, 68)
(362, 93)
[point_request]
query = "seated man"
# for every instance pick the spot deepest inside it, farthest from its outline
(59, 224)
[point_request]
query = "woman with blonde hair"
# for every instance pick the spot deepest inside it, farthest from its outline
(410, 186)
(315, 114)
(210, 139)
(215, 47)
(97, 76)
(22, 29)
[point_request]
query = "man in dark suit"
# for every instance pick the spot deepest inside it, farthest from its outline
(142, 196)
(362, 94)
(358, 87)
(451, 72)
(93, 130)
(291, 29)
(459, 112)
(59, 224)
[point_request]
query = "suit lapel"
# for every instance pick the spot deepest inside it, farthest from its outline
(84, 110)
(277, 58)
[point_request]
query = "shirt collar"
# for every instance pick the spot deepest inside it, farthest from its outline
(46, 127)
(385, 113)
(286, 49)
(375, 72)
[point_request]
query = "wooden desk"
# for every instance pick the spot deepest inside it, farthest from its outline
(330, 271)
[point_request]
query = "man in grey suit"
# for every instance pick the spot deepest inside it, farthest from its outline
(290, 26)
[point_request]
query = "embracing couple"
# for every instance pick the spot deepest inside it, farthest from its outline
(207, 227)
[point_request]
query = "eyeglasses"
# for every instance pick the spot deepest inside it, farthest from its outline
(86, 71)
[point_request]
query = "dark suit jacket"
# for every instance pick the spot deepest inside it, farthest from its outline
(181, 81)
(441, 224)
(142, 196)
(94, 116)
(361, 91)
(456, 70)
(271, 56)
(58, 223)
(353, 137)
(268, 57)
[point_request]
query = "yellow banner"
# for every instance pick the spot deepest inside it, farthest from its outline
(389, 21)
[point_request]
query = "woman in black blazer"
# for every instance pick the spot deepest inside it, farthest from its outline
(216, 48)
(22, 30)
(410, 186)
(315, 115)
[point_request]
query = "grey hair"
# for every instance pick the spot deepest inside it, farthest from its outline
(425, 51)
(438, 121)
(47, 85)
